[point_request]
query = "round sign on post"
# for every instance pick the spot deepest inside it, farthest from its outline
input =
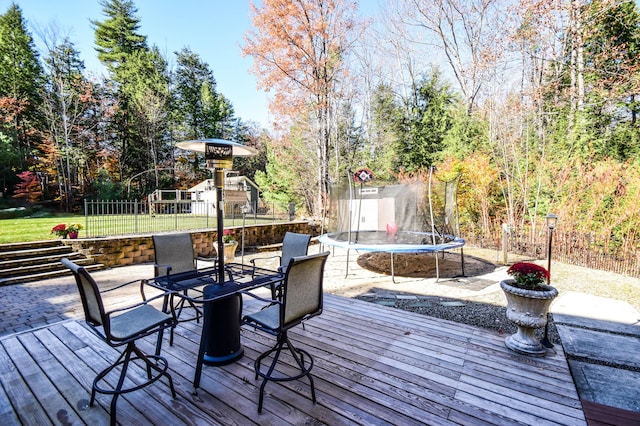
(363, 175)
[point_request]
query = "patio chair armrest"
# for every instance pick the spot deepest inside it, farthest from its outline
(262, 299)
(144, 283)
(145, 302)
(253, 261)
(119, 286)
(157, 267)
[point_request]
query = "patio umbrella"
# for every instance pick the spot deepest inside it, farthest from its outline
(219, 155)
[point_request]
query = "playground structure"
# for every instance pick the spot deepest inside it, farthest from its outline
(417, 217)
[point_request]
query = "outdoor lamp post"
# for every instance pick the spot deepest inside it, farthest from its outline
(220, 317)
(244, 215)
(551, 220)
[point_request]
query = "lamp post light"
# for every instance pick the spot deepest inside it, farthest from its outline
(244, 215)
(551, 221)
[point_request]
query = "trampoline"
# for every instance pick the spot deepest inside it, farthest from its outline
(415, 219)
(402, 242)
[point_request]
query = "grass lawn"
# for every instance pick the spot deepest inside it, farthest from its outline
(39, 228)
(34, 228)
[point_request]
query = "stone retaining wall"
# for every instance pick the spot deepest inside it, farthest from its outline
(129, 250)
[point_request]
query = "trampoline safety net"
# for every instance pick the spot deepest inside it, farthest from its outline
(409, 207)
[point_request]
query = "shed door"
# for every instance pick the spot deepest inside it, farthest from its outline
(364, 217)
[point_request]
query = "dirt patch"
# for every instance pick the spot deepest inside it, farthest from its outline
(423, 265)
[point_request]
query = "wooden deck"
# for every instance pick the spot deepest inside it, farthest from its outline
(374, 365)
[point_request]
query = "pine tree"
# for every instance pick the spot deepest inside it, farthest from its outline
(425, 126)
(117, 40)
(147, 89)
(199, 110)
(21, 81)
(117, 36)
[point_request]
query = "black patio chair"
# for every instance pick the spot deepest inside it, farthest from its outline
(300, 299)
(122, 326)
(174, 255)
(293, 244)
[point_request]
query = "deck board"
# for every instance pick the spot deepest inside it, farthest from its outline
(30, 411)
(605, 415)
(373, 365)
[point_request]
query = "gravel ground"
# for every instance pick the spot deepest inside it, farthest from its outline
(488, 316)
(476, 299)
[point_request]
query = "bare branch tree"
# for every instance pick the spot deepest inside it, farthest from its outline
(466, 32)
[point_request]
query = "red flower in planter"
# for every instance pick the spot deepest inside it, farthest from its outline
(227, 236)
(528, 275)
(60, 230)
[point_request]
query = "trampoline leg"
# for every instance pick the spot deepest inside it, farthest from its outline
(393, 274)
(346, 272)
(437, 269)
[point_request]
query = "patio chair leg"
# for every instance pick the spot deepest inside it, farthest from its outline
(103, 373)
(298, 356)
(124, 359)
(123, 374)
(159, 340)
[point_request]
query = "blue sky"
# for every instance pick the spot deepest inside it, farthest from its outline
(213, 29)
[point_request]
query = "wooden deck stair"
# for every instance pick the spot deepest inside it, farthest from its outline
(38, 260)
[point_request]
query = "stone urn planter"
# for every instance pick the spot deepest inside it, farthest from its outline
(229, 250)
(527, 309)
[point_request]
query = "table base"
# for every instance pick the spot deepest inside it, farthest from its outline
(223, 360)
(222, 327)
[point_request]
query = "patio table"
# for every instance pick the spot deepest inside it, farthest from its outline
(220, 338)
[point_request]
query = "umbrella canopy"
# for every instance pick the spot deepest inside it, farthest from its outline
(198, 145)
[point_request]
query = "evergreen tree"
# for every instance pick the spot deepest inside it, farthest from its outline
(117, 40)
(117, 36)
(386, 116)
(199, 111)
(350, 145)
(426, 125)
(147, 89)
(612, 37)
(613, 53)
(289, 172)
(21, 81)
(467, 134)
